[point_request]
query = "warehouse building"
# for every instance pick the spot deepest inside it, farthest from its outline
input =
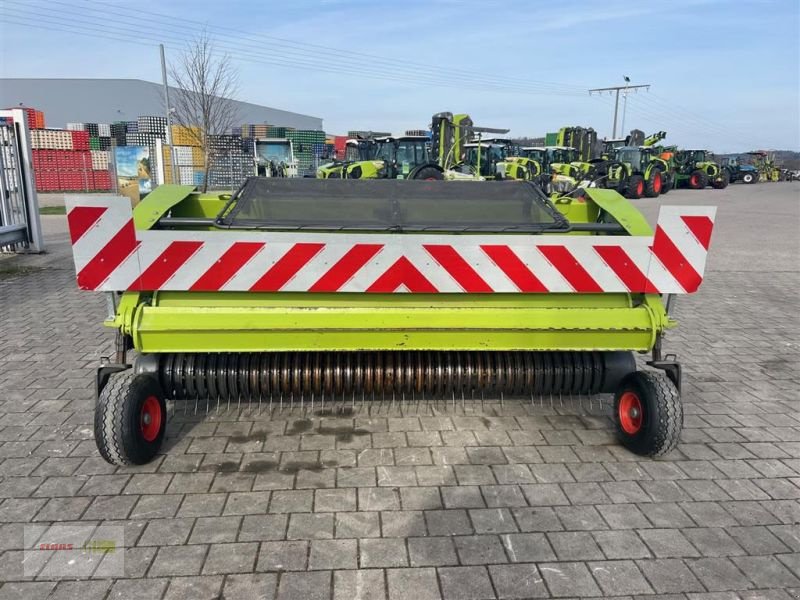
(109, 100)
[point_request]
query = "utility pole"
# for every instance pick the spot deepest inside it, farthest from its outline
(616, 90)
(173, 166)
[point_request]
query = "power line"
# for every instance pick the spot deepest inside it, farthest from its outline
(386, 68)
(246, 55)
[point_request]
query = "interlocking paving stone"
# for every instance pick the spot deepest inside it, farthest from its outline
(362, 584)
(466, 583)
(417, 501)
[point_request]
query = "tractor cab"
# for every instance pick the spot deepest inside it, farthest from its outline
(274, 157)
(636, 158)
(486, 158)
(401, 157)
(691, 156)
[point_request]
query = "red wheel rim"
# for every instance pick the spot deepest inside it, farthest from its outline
(640, 188)
(150, 418)
(630, 413)
(431, 179)
(657, 184)
(693, 180)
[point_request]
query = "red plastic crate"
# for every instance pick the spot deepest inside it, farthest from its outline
(80, 140)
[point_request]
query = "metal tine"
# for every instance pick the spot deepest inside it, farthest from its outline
(228, 409)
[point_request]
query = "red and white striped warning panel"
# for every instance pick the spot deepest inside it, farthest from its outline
(110, 255)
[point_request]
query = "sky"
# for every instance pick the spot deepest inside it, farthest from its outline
(723, 74)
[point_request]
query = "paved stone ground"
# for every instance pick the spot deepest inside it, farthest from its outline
(431, 501)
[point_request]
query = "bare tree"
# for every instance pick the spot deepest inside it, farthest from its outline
(203, 105)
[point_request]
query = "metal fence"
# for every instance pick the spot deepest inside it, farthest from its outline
(20, 225)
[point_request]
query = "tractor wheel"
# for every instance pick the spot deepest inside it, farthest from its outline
(653, 185)
(429, 174)
(636, 187)
(648, 413)
(667, 183)
(748, 178)
(698, 179)
(721, 183)
(130, 419)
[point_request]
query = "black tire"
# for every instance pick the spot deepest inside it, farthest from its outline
(721, 183)
(749, 178)
(130, 419)
(658, 427)
(635, 188)
(667, 184)
(698, 180)
(654, 184)
(429, 173)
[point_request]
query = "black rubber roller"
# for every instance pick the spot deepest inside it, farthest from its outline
(254, 376)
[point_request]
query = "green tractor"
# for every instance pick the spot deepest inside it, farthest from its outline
(695, 169)
(461, 153)
(359, 149)
(637, 171)
(558, 169)
(402, 157)
(498, 159)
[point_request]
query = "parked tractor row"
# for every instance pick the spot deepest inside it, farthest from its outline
(635, 166)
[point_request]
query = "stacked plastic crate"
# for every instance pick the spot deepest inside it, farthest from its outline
(308, 146)
(189, 158)
(360, 133)
(118, 131)
(34, 117)
(340, 146)
(62, 161)
(231, 161)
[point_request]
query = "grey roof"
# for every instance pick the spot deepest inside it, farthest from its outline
(107, 100)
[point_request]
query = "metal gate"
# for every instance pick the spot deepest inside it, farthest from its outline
(20, 225)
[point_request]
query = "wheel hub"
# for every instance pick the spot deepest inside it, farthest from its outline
(150, 418)
(630, 412)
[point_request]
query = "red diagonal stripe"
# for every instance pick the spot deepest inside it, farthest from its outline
(566, 264)
(346, 267)
(458, 268)
(701, 227)
(675, 262)
(402, 272)
(165, 266)
(222, 271)
(620, 262)
(120, 247)
(81, 218)
(287, 267)
(516, 270)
